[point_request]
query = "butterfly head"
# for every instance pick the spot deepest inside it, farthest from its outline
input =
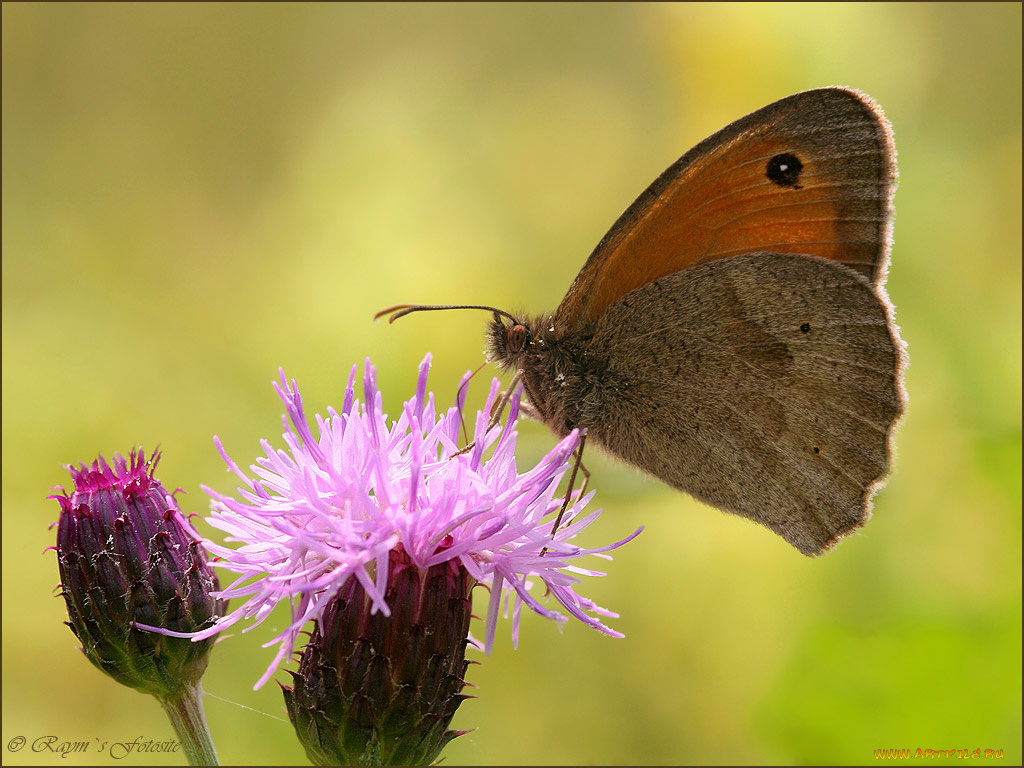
(507, 339)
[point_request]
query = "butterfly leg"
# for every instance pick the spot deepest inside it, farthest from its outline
(577, 465)
(584, 470)
(497, 409)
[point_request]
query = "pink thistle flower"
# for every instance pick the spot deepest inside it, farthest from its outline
(333, 507)
(377, 531)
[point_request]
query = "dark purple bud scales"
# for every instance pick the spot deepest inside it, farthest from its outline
(381, 690)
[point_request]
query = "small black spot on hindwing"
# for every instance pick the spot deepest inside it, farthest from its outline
(784, 170)
(805, 328)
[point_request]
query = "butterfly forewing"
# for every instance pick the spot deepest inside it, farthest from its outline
(810, 174)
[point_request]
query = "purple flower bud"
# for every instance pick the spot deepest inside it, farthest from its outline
(127, 555)
(379, 690)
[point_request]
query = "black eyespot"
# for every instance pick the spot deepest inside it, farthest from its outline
(516, 338)
(784, 170)
(817, 449)
(805, 328)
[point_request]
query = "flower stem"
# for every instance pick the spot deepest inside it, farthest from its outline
(186, 714)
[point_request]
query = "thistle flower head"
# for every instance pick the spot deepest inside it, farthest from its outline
(127, 555)
(333, 507)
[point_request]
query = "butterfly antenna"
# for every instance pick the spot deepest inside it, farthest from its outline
(401, 310)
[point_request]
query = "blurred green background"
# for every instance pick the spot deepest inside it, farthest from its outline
(195, 195)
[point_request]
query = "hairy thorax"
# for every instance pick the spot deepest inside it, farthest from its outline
(563, 380)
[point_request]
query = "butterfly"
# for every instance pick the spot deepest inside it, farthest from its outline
(731, 334)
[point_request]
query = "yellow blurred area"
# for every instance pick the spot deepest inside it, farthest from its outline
(196, 195)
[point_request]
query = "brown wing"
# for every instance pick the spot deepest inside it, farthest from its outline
(767, 385)
(813, 173)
